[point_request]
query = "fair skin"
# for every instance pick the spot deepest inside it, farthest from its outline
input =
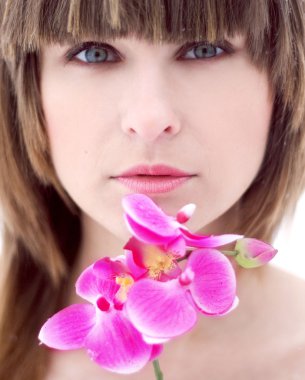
(201, 116)
(209, 117)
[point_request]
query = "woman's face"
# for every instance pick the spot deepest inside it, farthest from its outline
(204, 110)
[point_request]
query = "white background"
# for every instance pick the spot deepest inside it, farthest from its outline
(290, 243)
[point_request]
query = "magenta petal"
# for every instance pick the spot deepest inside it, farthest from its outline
(139, 250)
(193, 240)
(160, 309)
(86, 285)
(147, 235)
(171, 274)
(214, 285)
(133, 267)
(143, 211)
(156, 351)
(68, 328)
(151, 340)
(108, 268)
(144, 256)
(177, 247)
(116, 345)
(265, 257)
(90, 287)
(233, 306)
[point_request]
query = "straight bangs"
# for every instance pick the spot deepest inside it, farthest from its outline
(29, 24)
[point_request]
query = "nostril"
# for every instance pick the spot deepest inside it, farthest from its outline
(150, 130)
(131, 131)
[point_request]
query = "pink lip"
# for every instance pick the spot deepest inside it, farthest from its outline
(153, 179)
(157, 170)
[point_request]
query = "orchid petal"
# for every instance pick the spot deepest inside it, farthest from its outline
(171, 273)
(148, 258)
(265, 257)
(142, 252)
(90, 287)
(233, 306)
(151, 340)
(68, 328)
(133, 267)
(108, 268)
(177, 247)
(116, 345)
(144, 212)
(214, 285)
(144, 255)
(193, 240)
(86, 285)
(156, 351)
(160, 309)
(147, 235)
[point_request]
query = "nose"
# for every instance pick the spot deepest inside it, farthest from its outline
(150, 112)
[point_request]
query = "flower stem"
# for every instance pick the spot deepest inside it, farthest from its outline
(229, 253)
(158, 372)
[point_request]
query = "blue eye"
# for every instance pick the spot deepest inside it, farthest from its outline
(90, 52)
(95, 55)
(204, 51)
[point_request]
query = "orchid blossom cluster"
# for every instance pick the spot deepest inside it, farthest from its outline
(143, 298)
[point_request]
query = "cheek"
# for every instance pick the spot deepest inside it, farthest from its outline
(71, 128)
(233, 121)
(65, 136)
(237, 120)
(246, 127)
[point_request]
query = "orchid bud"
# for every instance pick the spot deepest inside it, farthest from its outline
(252, 253)
(185, 213)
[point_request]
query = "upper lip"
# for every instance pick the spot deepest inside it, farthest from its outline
(154, 170)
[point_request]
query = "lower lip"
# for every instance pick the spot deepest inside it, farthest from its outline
(152, 184)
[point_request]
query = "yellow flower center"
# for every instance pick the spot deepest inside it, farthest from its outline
(125, 283)
(158, 262)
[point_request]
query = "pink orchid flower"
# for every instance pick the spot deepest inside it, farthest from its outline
(162, 310)
(144, 298)
(149, 224)
(101, 326)
(252, 253)
(153, 261)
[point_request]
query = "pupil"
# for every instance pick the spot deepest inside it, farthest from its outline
(96, 55)
(204, 51)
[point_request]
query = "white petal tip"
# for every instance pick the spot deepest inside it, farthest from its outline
(185, 213)
(151, 340)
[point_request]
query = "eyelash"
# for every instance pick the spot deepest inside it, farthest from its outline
(71, 55)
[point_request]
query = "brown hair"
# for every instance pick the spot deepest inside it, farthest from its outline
(41, 226)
